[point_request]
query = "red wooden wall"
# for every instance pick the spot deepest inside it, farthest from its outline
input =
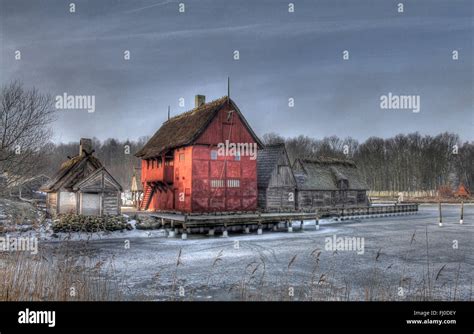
(196, 174)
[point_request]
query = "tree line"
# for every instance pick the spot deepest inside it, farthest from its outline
(406, 162)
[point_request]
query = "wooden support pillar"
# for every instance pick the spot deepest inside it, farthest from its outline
(317, 223)
(462, 213)
(186, 230)
(172, 233)
(440, 214)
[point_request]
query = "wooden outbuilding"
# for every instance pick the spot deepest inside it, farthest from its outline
(136, 186)
(198, 162)
(328, 182)
(83, 186)
(276, 182)
(462, 191)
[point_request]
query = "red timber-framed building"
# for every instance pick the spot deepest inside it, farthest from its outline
(183, 171)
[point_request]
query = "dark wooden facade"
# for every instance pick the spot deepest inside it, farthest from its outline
(182, 170)
(276, 182)
(83, 186)
(327, 182)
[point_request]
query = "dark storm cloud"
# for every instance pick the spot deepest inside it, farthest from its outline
(282, 55)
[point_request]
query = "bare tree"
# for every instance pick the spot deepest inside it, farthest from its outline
(25, 118)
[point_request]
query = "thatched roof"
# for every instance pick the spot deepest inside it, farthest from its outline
(323, 174)
(267, 161)
(71, 172)
(185, 128)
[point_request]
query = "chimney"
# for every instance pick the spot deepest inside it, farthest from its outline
(85, 146)
(199, 100)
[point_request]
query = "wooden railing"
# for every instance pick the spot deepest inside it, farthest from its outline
(377, 210)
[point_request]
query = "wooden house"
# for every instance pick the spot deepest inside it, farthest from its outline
(328, 182)
(83, 186)
(462, 191)
(186, 169)
(276, 182)
(136, 187)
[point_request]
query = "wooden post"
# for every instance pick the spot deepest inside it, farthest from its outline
(440, 214)
(172, 232)
(290, 226)
(462, 213)
(184, 235)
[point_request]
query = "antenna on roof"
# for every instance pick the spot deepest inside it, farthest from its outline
(168, 113)
(228, 88)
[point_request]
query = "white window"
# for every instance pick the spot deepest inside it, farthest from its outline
(213, 155)
(217, 183)
(233, 183)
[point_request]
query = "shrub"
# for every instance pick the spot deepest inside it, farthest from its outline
(81, 223)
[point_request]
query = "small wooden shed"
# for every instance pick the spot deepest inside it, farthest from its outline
(275, 179)
(83, 186)
(462, 191)
(136, 187)
(328, 182)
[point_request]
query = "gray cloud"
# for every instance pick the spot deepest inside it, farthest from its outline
(282, 55)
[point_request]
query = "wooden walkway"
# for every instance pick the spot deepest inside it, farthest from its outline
(185, 223)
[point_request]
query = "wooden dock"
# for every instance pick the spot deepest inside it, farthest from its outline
(245, 221)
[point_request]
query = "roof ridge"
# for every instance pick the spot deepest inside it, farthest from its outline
(328, 160)
(197, 109)
(274, 145)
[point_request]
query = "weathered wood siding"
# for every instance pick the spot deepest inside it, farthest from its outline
(99, 195)
(281, 198)
(111, 204)
(310, 199)
(280, 194)
(52, 203)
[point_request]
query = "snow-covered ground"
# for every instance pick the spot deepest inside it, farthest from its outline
(399, 262)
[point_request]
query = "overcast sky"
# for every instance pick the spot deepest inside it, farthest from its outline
(282, 55)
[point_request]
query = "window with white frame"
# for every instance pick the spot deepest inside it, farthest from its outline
(217, 183)
(233, 183)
